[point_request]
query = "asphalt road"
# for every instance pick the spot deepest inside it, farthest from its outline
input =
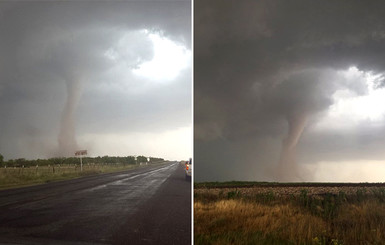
(150, 205)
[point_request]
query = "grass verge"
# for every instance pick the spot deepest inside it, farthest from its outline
(20, 177)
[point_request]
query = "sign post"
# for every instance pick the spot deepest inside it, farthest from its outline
(80, 154)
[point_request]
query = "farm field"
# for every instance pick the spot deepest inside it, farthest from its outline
(289, 213)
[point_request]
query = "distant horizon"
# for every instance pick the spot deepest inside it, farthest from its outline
(92, 156)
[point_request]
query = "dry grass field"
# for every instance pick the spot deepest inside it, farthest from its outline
(290, 214)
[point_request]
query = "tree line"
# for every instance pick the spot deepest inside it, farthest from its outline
(20, 162)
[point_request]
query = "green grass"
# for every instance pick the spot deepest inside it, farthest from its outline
(19, 177)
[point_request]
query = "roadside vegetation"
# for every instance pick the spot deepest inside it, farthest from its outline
(22, 172)
(236, 216)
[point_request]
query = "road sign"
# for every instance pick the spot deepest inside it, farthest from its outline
(81, 153)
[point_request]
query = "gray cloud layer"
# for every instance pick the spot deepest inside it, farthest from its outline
(56, 75)
(259, 64)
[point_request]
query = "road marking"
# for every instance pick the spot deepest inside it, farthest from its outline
(120, 181)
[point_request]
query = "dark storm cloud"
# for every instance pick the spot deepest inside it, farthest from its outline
(53, 53)
(259, 65)
(158, 108)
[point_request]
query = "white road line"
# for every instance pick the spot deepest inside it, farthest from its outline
(120, 181)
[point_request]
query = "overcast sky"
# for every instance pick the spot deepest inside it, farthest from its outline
(112, 77)
(289, 90)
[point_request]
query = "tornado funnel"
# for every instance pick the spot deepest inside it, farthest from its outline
(287, 166)
(66, 138)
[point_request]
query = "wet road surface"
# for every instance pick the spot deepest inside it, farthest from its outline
(150, 205)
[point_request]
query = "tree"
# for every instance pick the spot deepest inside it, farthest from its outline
(140, 159)
(58, 160)
(128, 160)
(1, 159)
(156, 159)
